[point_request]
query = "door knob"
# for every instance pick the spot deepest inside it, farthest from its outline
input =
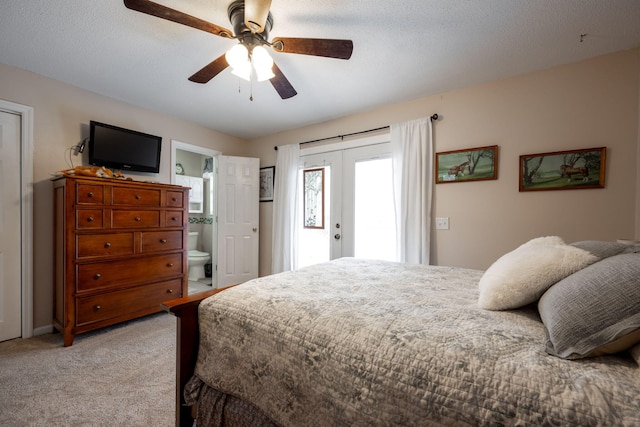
(337, 236)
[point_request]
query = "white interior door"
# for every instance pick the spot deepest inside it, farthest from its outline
(10, 227)
(238, 217)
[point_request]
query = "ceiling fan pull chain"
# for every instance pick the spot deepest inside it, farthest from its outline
(251, 88)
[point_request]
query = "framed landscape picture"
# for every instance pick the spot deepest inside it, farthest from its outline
(471, 164)
(563, 170)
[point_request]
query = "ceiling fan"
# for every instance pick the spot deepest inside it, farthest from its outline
(251, 21)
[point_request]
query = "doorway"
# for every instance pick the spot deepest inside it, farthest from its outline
(352, 189)
(193, 166)
(16, 201)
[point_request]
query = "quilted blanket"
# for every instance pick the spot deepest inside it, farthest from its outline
(363, 343)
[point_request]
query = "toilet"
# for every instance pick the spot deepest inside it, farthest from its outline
(196, 259)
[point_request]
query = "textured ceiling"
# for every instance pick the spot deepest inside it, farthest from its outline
(403, 50)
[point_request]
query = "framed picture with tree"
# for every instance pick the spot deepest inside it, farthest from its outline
(471, 164)
(563, 170)
(267, 178)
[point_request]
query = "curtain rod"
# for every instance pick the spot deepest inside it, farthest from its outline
(433, 117)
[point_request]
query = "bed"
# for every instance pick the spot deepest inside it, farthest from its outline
(363, 343)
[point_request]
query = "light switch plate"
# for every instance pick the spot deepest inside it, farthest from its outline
(442, 223)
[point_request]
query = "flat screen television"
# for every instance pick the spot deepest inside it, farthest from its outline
(123, 149)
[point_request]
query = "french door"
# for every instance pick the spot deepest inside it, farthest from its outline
(351, 190)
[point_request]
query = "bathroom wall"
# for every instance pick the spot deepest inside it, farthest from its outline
(193, 165)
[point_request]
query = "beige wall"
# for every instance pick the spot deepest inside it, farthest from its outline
(588, 104)
(61, 119)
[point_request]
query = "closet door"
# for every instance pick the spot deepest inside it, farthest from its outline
(10, 227)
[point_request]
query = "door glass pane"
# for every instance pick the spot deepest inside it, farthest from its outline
(314, 243)
(375, 232)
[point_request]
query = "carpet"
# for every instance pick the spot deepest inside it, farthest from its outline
(123, 375)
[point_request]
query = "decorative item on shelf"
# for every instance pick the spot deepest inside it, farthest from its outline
(94, 171)
(563, 170)
(179, 169)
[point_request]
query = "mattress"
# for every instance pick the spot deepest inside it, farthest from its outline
(358, 342)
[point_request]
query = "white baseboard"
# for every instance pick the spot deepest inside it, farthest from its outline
(42, 330)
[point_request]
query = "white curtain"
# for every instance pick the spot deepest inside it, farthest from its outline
(412, 151)
(285, 209)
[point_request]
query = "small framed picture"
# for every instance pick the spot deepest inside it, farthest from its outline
(563, 170)
(471, 164)
(267, 177)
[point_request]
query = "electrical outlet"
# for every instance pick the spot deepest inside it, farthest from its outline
(442, 223)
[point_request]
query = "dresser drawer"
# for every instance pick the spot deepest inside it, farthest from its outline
(154, 241)
(89, 194)
(105, 274)
(174, 199)
(135, 196)
(89, 218)
(113, 304)
(135, 219)
(173, 219)
(92, 245)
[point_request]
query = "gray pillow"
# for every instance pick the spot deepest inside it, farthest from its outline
(601, 249)
(594, 311)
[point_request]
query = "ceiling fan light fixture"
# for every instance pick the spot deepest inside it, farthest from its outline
(237, 56)
(262, 63)
(243, 71)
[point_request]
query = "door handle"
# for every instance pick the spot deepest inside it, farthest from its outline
(337, 236)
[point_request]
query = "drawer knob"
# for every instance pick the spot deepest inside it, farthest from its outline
(138, 218)
(170, 265)
(174, 199)
(138, 197)
(169, 291)
(90, 194)
(174, 218)
(90, 219)
(97, 307)
(107, 245)
(163, 240)
(97, 276)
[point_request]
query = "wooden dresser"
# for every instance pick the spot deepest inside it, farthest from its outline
(120, 251)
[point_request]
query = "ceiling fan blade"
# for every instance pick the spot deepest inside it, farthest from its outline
(281, 84)
(329, 48)
(211, 70)
(255, 14)
(164, 12)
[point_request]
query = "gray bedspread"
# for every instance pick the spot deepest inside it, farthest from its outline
(363, 343)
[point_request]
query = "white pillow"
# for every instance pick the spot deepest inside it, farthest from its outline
(521, 276)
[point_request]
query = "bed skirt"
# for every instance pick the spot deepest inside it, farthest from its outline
(217, 409)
